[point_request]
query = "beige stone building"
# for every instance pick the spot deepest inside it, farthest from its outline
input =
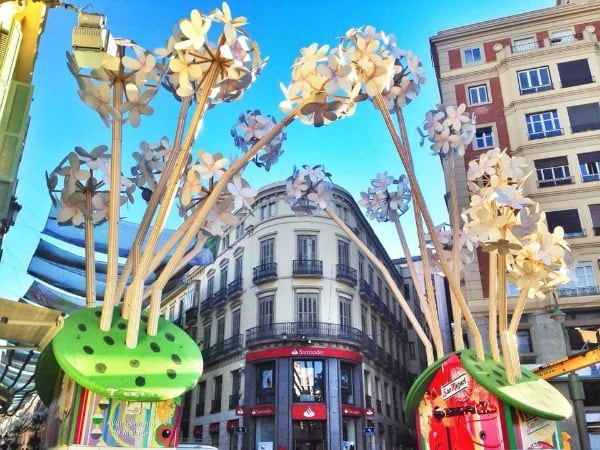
(533, 82)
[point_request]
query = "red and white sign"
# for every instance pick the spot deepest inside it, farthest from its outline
(303, 352)
(309, 411)
(352, 411)
(369, 412)
(262, 410)
(239, 411)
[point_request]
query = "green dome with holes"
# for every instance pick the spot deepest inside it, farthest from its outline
(160, 367)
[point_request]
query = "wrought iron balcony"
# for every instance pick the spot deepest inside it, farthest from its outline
(308, 267)
(365, 290)
(555, 182)
(235, 288)
(264, 272)
(345, 273)
(303, 331)
(220, 297)
(191, 316)
(223, 349)
(234, 401)
(206, 305)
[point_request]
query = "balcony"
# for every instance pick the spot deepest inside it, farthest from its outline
(215, 405)
(308, 267)
(303, 331)
(365, 290)
(235, 288)
(219, 297)
(206, 305)
(191, 316)
(578, 291)
(264, 272)
(346, 274)
(545, 133)
(223, 349)
(554, 182)
(234, 401)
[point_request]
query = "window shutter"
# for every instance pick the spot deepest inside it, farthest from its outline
(568, 219)
(10, 41)
(551, 162)
(584, 117)
(574, 73)
(590, 157)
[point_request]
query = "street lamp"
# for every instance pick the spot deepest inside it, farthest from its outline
(575, 385)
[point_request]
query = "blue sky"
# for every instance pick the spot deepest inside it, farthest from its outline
(353, 149)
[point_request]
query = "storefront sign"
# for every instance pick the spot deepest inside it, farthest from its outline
(303, 352)
(309, 411)
(352, 411)
(262, 410)
(369, 411)
(239, 411)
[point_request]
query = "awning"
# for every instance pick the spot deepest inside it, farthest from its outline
(28, 325)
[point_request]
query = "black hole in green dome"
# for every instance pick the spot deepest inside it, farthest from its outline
(82, 327)
(166, 433)
(171, 374)
(154, 347)
(89, 350)
(170, 337)
(134, 363)
(121, 326)
(498, 373)
(100, 367)
(109, 340)
(144, 319)
(176, 359)
(140, 381)
(98, 313)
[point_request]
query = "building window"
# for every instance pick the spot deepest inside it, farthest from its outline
(265, 310)
(238, 266)
(220, 329)
(216, 403)
(484, 138)
(574, 73)
(236, 319)
(472, 55)
(206, 339)
(265, 382)
(512, 290)
(584, 117)
(306, 247)
(267, 251)
(347, 383)
(534, 80)
(343, 248)
(309, 377)
(552, 171)
(582, 282)
(568, 219)
(306, 309)
(589, 164)
(524, 44)
(543, 124)
(364, 323)
(267, 210)
(201, 398)
(412, 354)
(236, 389)
(524, 341)
(223, 276)
(478, 94)
(225, 245)
(595, 214)
(345, 313)
(239, 230)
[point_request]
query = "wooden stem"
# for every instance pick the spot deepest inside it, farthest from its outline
(199, 215)
(90, 252)
(493, 307)
(419, 200)
(114, 203)
(515, 363)
(503, 317)
(426, 304)
(389, 280)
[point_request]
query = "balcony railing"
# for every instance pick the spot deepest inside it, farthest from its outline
(526, 47)
(303, 331)
(191, 316)
(345, 273)
(365, 290)
(235, 288)
(215, 406)
(307, 267)
(545, 133)
(234, 401)
(590, 177)
(578, 291)
(264, 272)
(219, 297)
(566, 38)
(223, 349)
(555, 182)
(575, 234)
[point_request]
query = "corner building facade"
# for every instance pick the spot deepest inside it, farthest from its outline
(304, 346)
(533, 82)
